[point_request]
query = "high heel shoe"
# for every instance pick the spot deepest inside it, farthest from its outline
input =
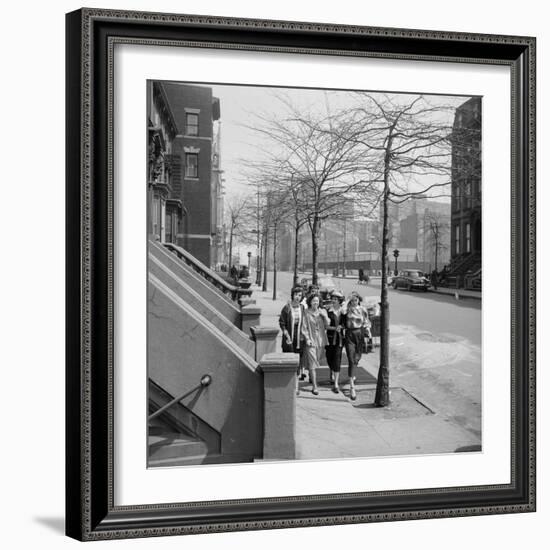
(352, 394)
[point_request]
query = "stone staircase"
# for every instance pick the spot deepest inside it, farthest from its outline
(183, 347)
(198, 329)
(209, 293)
(174, 277)
(174, 448)
(462, 267)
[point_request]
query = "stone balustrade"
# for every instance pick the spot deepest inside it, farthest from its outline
(279, 370)
(265, 339)
(250, 317)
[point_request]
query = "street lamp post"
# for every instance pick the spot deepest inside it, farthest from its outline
(395, 255)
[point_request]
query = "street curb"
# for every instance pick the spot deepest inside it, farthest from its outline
(461, 296)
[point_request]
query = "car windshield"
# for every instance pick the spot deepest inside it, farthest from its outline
(326, 282)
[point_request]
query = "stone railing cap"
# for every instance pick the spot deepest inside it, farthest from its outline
(251, 309)
(282, 361)
(261, 331)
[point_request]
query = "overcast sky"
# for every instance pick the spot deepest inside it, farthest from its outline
(240, 104)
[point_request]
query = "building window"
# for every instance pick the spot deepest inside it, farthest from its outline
(191, 165)
(457, 239)
(468, 238)
(191, 124)
(468, 193)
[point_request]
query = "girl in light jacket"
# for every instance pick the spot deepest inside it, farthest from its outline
(314, 332)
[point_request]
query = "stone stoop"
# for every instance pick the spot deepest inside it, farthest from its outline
(175, 445)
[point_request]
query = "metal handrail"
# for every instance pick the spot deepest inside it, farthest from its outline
(206, 380)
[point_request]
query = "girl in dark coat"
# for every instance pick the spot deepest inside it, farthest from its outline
(290, 322)
(335, 338)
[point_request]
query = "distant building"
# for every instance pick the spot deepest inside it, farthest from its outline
(466, 189)
(367, 233)
(421, 224)
(434, 245)
(189, 197)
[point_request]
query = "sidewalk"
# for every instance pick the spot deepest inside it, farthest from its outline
(332, 426)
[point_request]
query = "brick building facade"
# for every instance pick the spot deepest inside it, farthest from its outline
(165, 207)
(466, 189)
(193, 188)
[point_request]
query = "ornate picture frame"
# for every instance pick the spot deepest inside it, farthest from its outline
(91, 331)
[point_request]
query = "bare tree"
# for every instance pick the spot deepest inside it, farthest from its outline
(298, 217)
(437, 228)
(323, 168)
(408, 142)
(236, 220)
(276, 213)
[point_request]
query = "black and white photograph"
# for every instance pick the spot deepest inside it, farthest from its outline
(246, 303)
(314, 273)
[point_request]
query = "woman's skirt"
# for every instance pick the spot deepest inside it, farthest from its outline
(312, 357)
(334, 357)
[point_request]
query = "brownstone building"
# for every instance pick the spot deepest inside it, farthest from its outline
(186, 198)
(165, 208)
(466, 192)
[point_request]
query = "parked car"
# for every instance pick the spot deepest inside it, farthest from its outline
(411, 279)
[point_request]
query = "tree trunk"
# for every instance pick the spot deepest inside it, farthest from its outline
(296, 243)
(344, 260)
(259, 261)
(325, 255)
(382, 397)
(264, 284)
(230, 248)
(315, 250)
(274, 262)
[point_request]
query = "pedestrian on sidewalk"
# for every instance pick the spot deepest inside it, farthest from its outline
(290, 322)
(335, 338)
(312, 290)
(434, 278)
(357, 325)
(314, 331)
